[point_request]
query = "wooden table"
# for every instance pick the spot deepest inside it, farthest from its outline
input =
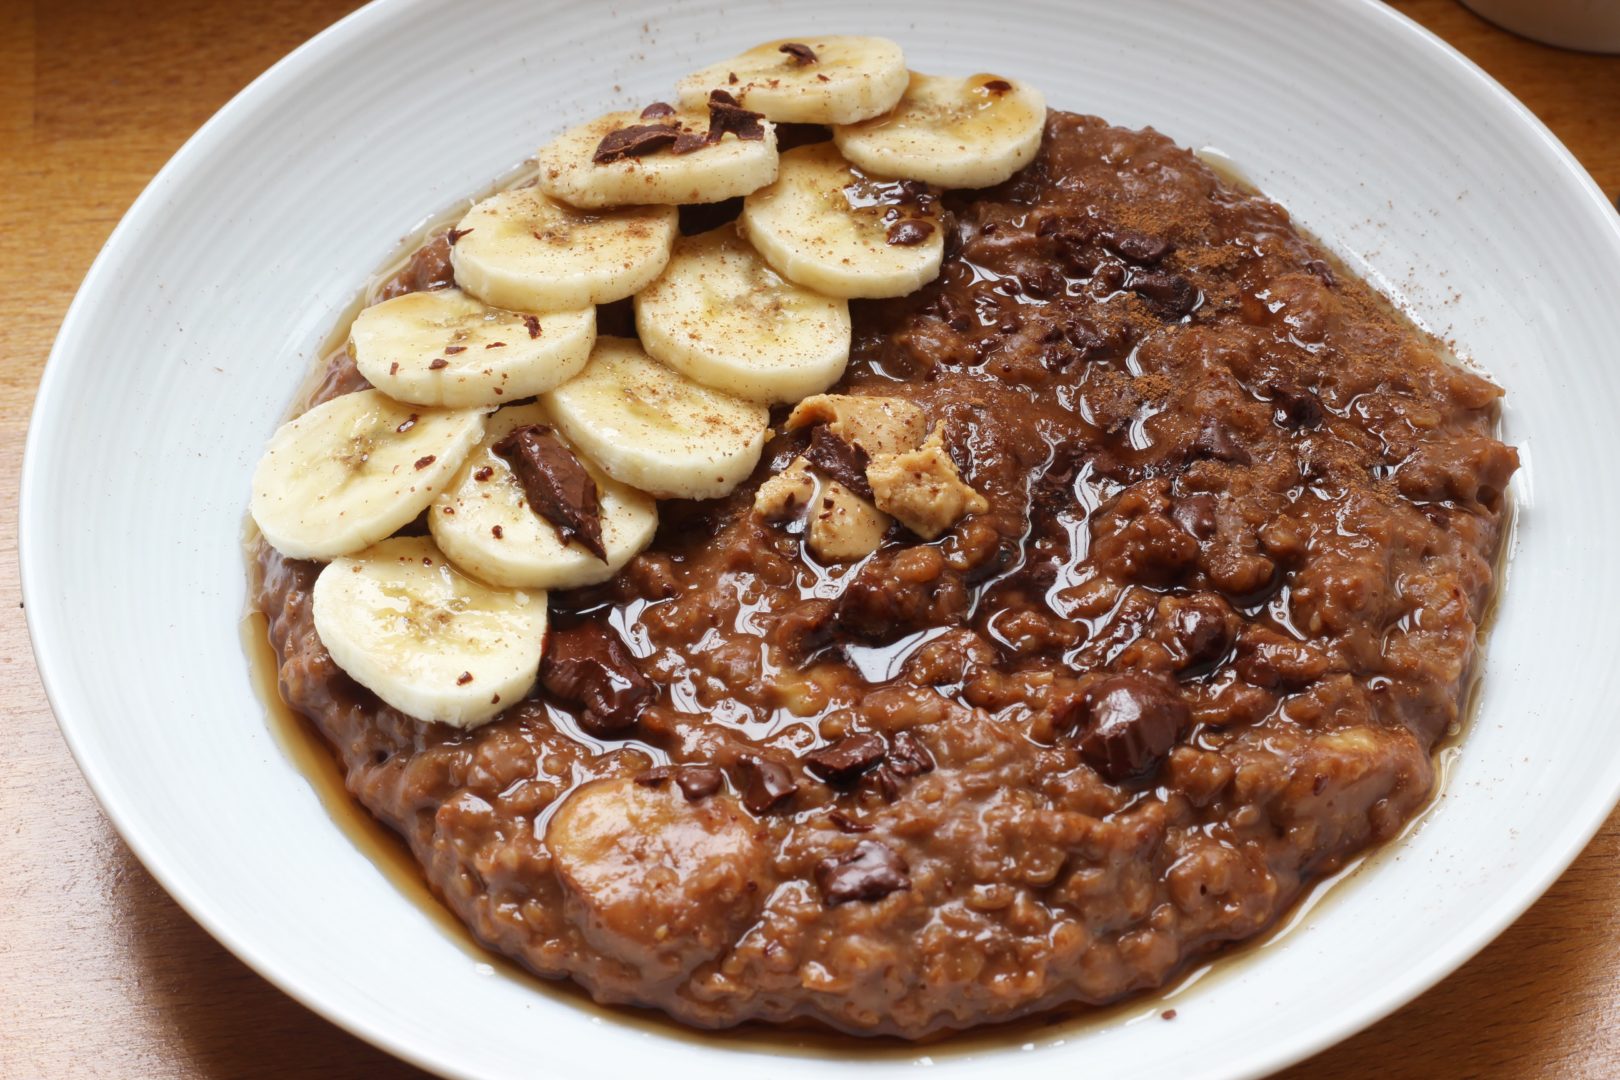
(101, 974)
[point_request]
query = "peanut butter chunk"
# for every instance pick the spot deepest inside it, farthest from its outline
(922, 489)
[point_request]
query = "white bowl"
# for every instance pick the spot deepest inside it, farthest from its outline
(193, 327)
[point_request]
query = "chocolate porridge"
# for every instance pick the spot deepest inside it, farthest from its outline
(1191, 650)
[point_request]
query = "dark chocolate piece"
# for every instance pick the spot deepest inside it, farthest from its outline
(838, 460)
(1171, 296)
(637, 140)
(844, 761)
(1295, 408)
(656, 110)
(726, 115)
(695, 781)
(1125, 724)
(869, 871)
(1133, 246)
(798, 53)
(1202, 631)
(769, 784)
(556, 484)
(908, 232)
(847, 824)
(907, 757)
(1196, 515)
(589, 667)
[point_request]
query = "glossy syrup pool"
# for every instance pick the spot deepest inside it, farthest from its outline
(307, 752)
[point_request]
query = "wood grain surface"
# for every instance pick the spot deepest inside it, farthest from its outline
(101, 974)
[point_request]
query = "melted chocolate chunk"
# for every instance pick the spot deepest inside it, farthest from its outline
(798, 53)
(726, 115)
(1295, 408)
(656, 110)
(1171, 296)
(908, 232)
(455, 234)
(1133, 246)
(1202, 631)
(769, 784)
(556, 484)
(695, 781)
(907, 758)
(429, 269)
(1000, 86)
(588, 666)
(1126, 724)
(637, 140)
(1217, 441)
(838, 460)
(844, 761)
(868, 871)
(847, 824)
(1196, 514)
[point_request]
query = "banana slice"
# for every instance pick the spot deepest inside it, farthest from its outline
(484, 523)
(651, 427)
(719, 314)
(356, 469)
(431, 642)
(957, 133)
(713, 171)
(526, 252)
(445, 348)
(814, 80)
(827, 227)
